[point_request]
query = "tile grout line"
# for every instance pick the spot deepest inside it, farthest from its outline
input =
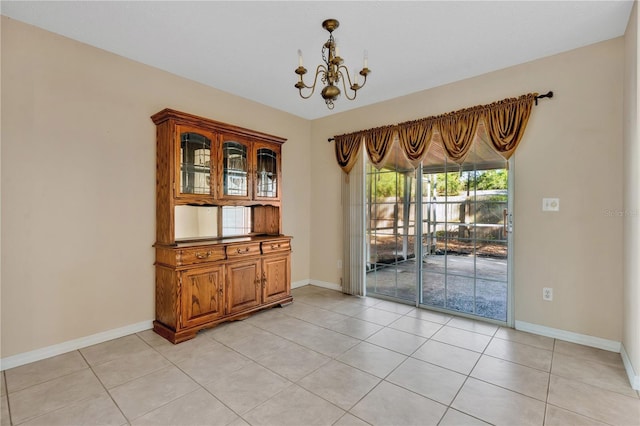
(194, 380)
(384, 379)
(546, 402)
(6, 391)
(88, 367)
(291, 382)
(140, 377)
(324, 364)
(450, 406)
(104, 387)
(574, 380)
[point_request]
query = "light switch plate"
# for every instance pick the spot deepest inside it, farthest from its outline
(550, 204)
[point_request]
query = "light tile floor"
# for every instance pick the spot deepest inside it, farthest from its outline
(327, 359)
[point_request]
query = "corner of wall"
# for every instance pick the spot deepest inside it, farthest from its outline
(634, 378)
(630, 349)
(324, 284)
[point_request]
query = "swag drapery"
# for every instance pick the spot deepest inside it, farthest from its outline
(504, 120)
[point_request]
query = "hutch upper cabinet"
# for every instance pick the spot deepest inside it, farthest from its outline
(220, 252)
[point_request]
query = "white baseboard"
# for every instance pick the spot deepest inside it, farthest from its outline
(324, 284)
(83, 342)
(569, 336)
(634, 378)
(72, 345)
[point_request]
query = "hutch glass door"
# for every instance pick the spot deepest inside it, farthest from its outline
(235, 169)
(195, 163)
(266, 173)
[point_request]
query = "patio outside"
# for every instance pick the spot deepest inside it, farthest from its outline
(464, 261)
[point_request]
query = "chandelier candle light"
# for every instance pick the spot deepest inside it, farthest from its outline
(332, 71)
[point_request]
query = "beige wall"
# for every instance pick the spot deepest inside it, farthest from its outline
(78, 184)
(78, 158)
(572, 150)
(631, 336)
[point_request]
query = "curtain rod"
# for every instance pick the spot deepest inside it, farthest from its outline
(549, 94)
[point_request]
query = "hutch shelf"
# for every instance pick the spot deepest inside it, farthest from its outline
(220, 253)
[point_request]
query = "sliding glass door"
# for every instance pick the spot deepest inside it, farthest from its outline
(465, 242)
(452, 253)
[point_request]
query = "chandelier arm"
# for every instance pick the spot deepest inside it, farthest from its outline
(344, 82)
(364, 72)
(321, 69)
(365, 80)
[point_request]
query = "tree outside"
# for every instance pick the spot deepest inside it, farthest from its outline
(448, 183)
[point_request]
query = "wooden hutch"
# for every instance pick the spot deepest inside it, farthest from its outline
(220, 253)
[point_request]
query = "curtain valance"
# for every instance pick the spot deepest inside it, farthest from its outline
(504, 120)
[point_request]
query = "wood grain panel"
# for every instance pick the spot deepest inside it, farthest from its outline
(276, 246)
(277, 277)
(243, 280)
(216, 126)
(266, 219)
(167, 290)
(164, 190)
(202, 295)
(202, 254)
(243, 250)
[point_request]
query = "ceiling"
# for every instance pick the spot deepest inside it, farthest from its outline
(249, 48)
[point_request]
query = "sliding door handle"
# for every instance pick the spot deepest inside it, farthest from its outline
(505, 221)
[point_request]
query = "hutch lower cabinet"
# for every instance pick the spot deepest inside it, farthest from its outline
(220, 253)
(199, 287)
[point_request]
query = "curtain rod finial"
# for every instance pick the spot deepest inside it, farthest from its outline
(549, 94)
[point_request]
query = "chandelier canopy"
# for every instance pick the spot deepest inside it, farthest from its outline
(332, 72)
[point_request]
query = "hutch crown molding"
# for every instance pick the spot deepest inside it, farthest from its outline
(220, 252)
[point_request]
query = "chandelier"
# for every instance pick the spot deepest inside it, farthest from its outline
(332, 72)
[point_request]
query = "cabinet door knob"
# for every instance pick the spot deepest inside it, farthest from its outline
(203, 255)
(240, 251)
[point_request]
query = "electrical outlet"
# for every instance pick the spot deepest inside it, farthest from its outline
(550, 204)
(339, 263)
(547, 294)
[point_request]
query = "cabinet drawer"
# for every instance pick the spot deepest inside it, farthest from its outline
(276, 246)
(243, 250)
(192, 256)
